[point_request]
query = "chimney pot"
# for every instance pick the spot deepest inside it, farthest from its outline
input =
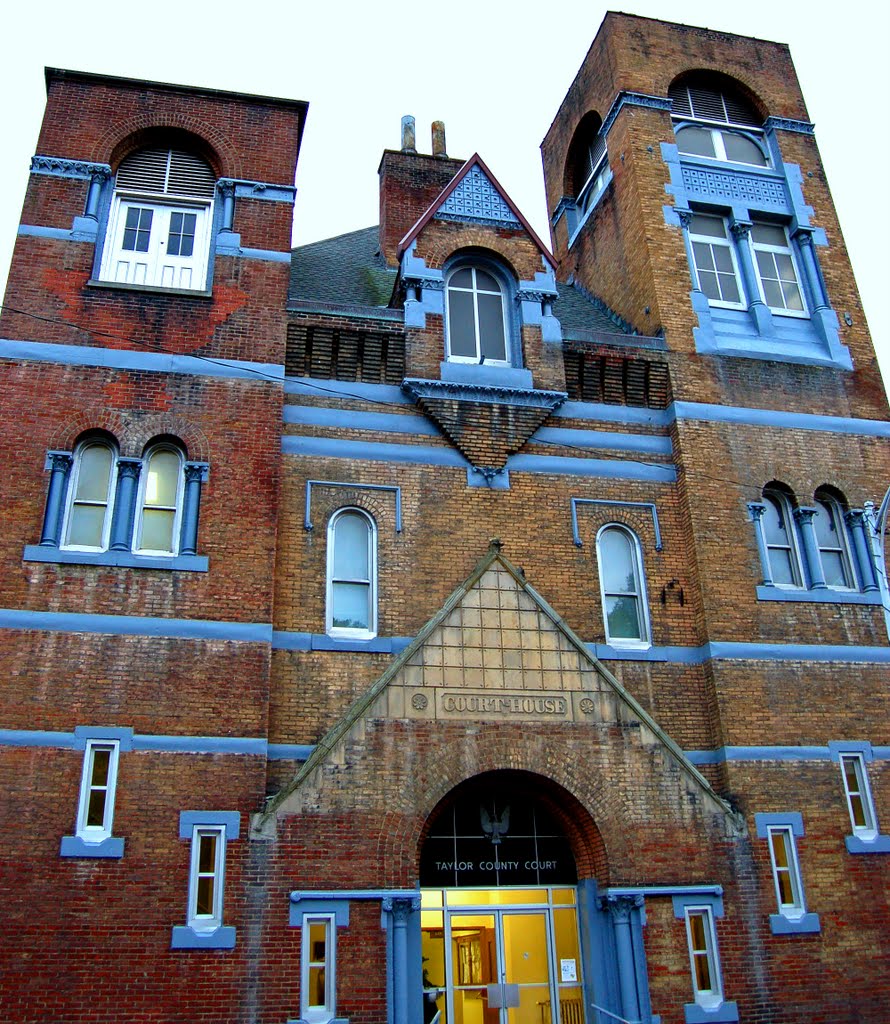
(408, 135)
(439, 139)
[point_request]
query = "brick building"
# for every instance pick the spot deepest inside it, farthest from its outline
(426, 625)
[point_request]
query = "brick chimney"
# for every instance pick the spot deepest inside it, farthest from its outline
(409, 182)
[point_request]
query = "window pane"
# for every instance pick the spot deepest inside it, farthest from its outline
(772, 292)
(491, 326)
(774, 526)
(317, 942)
(137, 229)
(780, 566)
(704, 259)
(317, 986)
(461, 324)
(157, 529)
(181, 240)
(485, 282)
(696, 141)
(207, 853)
(791, 295)
(704, 224)
(87, 526)
(101, 762)
(204, 895)
(729, 289)
(93, 473)
(461, 279)
(742, 149)
(351, 548)
(351, 605)
(833, 568)
(722, 259)
(780, 849)
(96, 808)
(617, 563)
(624, 622)
(769, 234)
(162, 481)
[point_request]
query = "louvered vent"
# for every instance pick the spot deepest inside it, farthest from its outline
(168, 172)
(711, 105)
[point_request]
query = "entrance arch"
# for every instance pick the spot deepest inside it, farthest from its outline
(499, 870)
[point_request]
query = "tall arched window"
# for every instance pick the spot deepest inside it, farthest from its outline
(714, 119)
(476, 327)
(622, 587)
(352, 575)
(90, 496)
(159, 225)
(160, 502)
(832, 542)
(588, 166)
(781, 539)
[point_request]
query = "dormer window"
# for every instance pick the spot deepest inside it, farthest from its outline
(726, 127)
(476, 320)
(159, 225)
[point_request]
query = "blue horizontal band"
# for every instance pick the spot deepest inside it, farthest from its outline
(120, 559)
(136, 625)
(128, 359)
(286, 641)
(827, 595)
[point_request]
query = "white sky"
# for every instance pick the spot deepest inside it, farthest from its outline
(494, 71)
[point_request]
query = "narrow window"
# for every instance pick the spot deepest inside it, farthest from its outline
(91, 497)
(476, 322)
(859, 801)
(786, 874)
(776, 269)
(352, 570)
(621, 587)
(831, 539)
(702, 941)
(317, 981)
(715, 262)
(206, 877)
(781, 544)
(95, 812)
(157, 525)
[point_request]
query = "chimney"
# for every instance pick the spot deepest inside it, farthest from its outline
(409, 182)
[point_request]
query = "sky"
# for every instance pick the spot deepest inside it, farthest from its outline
(494, 72)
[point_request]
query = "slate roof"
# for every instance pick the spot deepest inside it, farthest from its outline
(348, 270)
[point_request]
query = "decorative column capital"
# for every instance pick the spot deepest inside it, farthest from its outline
(804, 514)
(226, 186)
(685, 217)
(757, 509)
(854, 517)
(59, 462)
(401, 907)
(620, 907)
(740, 229)
(129, 468)
(196, 471)
(803, 237)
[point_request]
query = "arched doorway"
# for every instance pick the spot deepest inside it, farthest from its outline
(499, 918)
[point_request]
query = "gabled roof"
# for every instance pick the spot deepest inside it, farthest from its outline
(440, 200)
(347, 269)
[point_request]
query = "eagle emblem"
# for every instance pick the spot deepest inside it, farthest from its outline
(494, 826)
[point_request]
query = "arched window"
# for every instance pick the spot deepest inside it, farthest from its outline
(352, 575)
(713, 119)
(622, 587)
(781, 539)
(160, 502)
(588, 165)
(90, 496)
(476, 318)
(159, 225)
(832, 542)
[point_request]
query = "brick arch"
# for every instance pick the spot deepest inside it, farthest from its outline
(107, 421)
(740, 84)
(586, 130)
(144, 430)
(123, 137)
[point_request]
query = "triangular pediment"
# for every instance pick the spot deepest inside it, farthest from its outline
(496, 652)
(475, 196)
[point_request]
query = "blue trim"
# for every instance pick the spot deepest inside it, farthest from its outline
(63, 167)
(692, 891)
(119, 559)
(788, 124)
(604, 439)
(691, 899)
(202, 744)
(127, 359)
(391, 394)
(230, 819)
(287, 641)
(609, 469)
(289, 751)
(396, 491)
(123, 735)
(823, 596)
(486, 376)
(725, 1013)
(325, 416)
(354, 894)
(183, 937)
(493, 479)
(792, 818)
(838, 747)
(263, 190)
(880, 844)
(136, 625)
(650, 505)
(724, 754)
(310, 905)
(804, 925)
(38, 231)
(614, 414)
(633, 99)
(488, 393)
(74, 846)
(38, 738)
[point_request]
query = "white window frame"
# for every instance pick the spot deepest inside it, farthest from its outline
(725, 243)
(347, 632)
(787, 511)
(786, 250)
(140, 502)
(314, 1014)
(596, 177)
(71, 500)
(833, 507)
(475, 291)
(644, 641)
(785, 834)
(93, 834)
(206, 922)
(867, 831)
(712, 997)
(717, 135)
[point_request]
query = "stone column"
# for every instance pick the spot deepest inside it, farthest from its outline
(855, 520)
(757, 510)
(804, 518)
(128, 471)
(621, 909)
(195, 474)
(400, 908)
(59, 464)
